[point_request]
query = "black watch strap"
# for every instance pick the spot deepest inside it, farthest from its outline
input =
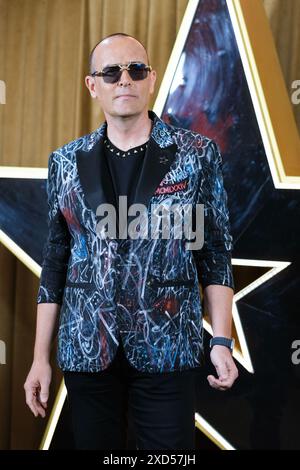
(222, 341)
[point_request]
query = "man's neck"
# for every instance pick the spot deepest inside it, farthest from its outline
(129, 132)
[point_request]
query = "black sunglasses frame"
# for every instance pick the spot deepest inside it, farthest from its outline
(117, 75)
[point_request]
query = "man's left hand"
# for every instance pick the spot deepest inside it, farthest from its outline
(222, 359)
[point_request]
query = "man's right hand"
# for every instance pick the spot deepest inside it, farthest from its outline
(37, 387)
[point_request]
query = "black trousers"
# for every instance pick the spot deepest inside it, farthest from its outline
(162, 407)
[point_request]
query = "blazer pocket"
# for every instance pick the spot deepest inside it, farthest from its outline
(85, 285)
(156, 282)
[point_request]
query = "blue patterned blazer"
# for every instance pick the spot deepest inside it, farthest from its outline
(143, 292)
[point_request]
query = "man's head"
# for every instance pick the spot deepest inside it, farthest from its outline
(120, 48)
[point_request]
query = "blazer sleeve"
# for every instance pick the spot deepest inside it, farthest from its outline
(56, 250)
(213, 260)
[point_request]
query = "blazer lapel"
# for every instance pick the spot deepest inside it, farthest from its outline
(156, 164)
(94, 174)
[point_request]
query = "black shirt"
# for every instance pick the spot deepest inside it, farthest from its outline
(125, 168)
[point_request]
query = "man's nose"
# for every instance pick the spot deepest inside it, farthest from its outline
(125, 78)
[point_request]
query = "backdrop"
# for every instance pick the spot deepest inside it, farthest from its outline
(44, 48)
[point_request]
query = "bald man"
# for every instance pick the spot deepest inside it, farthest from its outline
(130, 334)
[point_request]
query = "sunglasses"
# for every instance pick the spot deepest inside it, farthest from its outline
(112, 73)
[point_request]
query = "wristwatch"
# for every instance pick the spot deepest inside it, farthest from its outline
(222, 341)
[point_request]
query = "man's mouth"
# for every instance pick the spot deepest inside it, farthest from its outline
(125, 96)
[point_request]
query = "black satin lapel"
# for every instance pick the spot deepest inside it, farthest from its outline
(156, 164)
(94, 176)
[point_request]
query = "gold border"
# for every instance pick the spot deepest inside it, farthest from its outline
(20, 254)
(268, 91)
(54, 417)
(21, 172)
(211, 433)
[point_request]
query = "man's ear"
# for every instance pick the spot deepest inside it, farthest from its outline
(90, 84)
(153, 80)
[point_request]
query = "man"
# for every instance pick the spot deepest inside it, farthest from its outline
(130, 328)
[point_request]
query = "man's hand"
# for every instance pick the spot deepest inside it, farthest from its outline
(37, 387)
(221, 358)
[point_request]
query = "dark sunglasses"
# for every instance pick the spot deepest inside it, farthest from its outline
(112, 74)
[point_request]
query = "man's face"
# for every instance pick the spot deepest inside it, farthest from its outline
(126, 97)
